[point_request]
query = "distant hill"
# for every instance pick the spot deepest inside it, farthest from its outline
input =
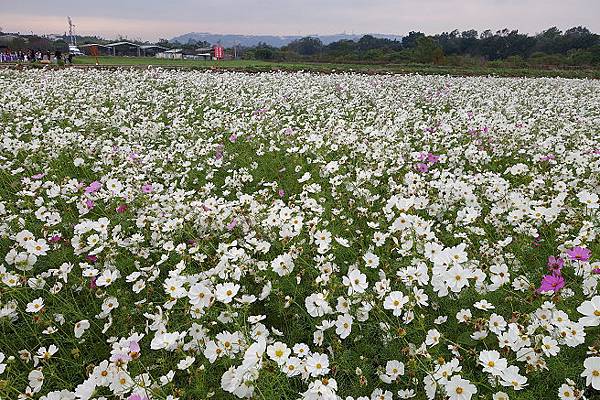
(228, 40)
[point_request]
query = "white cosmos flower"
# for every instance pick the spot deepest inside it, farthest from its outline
(278, 352)
(35, 306)
(395, 301)
(356, 282)
(225, 292)
(317, 364)
(36, 380)
(492, 363)
(185, 363)
(343, 325)
(591, 311)
(458, 388)
(592, 372)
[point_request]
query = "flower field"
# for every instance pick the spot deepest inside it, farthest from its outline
(187, 235)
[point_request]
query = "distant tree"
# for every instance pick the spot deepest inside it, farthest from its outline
(428, 50)
(40, 43)
(59, 45)
(486, 34)
(579, 38)
(577, 46)
(549, 41)
(263, 51)
(410, 41)
(307, 46)
(369, 42)
(450, 42)
(341, 47)
(18, 44)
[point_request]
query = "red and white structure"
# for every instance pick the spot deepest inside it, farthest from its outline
(218, 52)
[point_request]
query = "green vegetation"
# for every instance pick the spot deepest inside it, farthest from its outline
(574, 47)
(260, 66)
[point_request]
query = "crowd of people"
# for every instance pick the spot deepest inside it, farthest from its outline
(44, 57)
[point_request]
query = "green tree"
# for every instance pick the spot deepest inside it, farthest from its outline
(428, 50)
(307, 46)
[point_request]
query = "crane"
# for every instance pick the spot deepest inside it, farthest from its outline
(73, 45)
(71, 26)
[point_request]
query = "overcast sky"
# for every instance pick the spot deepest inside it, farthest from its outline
(153, 19)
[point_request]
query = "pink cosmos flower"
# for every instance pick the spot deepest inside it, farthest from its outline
(549, 157)
(579, 253)
(219, 152)
(233, 138)
(432, 158)
(93, 187)
(137, 396)
(134, 350)
(422, 167)
(552, 283)
(134, 346)
(232, 224)
(281, 192)
(428, 158)
(121, 208)
(93, 283)
(120, 358)
(147, 188)
(38, 176)
(89, 204)
(260, 111)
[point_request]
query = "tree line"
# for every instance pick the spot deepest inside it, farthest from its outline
(576, 46)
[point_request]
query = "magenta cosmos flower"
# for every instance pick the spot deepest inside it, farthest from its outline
(55, 238)
(552, 283)
(579, 253)
(555, 264)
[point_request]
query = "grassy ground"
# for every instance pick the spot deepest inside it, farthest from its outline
(359, 148)
(259, 66)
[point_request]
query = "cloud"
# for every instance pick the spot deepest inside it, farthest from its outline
(151, 19)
